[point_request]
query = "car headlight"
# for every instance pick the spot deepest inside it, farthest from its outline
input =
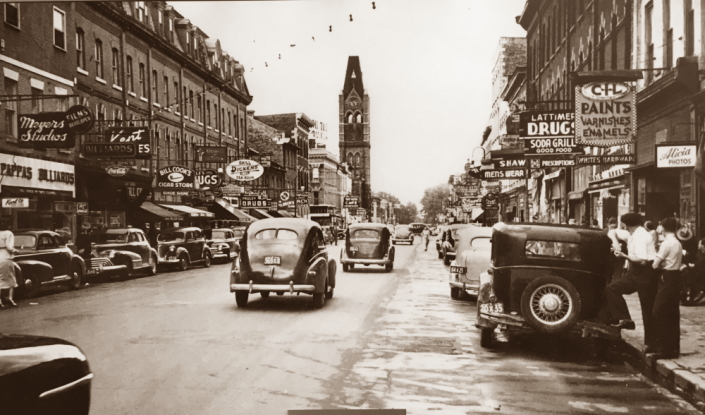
(172, 248)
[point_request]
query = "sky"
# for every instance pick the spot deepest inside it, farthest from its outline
(426, 66)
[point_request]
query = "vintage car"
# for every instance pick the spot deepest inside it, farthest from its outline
(417, 228)
(448, 238)
(548, 278)
(43, 376)
(403, 233)
(439, 239)
(368, 244)
(223, 244)
(472, 258)
(283, 255)
(42, 259)
(182, 247)
(117, 252)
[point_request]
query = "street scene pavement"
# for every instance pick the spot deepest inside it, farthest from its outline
(176, 343)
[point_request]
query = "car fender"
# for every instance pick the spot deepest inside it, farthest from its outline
(77, 260)
(183, 251)
(130, 256)
(390, 253)
(320, 267)
(44, 271)
(154, 252)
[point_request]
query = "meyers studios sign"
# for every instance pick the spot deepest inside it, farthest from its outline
(54, 129)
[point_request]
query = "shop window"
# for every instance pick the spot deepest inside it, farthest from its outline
(98, 55)
(129, 75)
(10, 108)
(80, 49)
(59, 29)
(12, 14)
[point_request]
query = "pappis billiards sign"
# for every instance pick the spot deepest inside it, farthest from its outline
(176, 178)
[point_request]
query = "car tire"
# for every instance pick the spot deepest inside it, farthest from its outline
(346, 267)
(153, 262)
(352, 266)
(389, 267)
(446, 259)
(76, 277)
(455, 293)
(329, 291)
(183, 263)
(30, 285)
(241, 298)
(550, 304)
(486, 338)
(264, 294)
(207, 259)
(280, 292)
(440, 254)
(319, 300)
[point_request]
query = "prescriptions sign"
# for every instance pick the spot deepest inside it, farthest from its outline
(605, 114)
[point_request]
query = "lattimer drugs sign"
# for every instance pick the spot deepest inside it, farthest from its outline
(546, 124)
(605, 114)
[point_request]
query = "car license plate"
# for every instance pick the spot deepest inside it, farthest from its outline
(353, 249)
(491, 308)
(272, 260)
(91, 271)
(458, 270)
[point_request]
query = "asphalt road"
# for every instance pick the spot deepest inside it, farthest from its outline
(176, 343)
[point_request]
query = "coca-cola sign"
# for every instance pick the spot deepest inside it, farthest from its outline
(668, 156)
(117, 171)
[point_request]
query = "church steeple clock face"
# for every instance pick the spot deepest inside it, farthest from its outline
(352, 104)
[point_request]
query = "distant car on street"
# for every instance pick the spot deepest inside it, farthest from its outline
(402, 233)
(417, 227)
(448, 238)
(117, 252)
(368, 244)
(283, 255)
(439, 239)
(224, 244)
(43, 259)
(182, 247)
(472, 258)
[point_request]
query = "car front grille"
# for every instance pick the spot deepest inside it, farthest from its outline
(98, 262)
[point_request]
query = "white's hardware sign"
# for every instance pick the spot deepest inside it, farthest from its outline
(244, 170)
(15, 203)
(675, 156)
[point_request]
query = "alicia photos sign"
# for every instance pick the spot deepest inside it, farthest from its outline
(605, 114)
(54, 129)
(675, 155)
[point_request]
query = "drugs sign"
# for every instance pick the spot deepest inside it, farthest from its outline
(605, 114)
(546, 124)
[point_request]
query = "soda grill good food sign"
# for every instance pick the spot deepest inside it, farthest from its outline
(176, 177)
(605, 114)
(675, 155)
(53, 129)
(351, 202)
(245, 170)
(548, 133)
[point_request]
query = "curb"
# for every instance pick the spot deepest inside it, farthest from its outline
(668, 373)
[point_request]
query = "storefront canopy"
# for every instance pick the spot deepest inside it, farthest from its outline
(476, 212)
(234, 212)
(160, 212)
(261, 214)
(285, 214)
(189, 211)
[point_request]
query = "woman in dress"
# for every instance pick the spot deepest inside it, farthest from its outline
(7, 267)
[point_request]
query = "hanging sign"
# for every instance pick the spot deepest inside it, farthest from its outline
(176, 177)
(546, 124)
(675, 155)
(249, 201)
(211, 154)
(502, 174)
(605, 114)
(604, 160)
(284, 196)
(139, 136)
(109, 150)
(302, 199)
(539, 163)
(244, 170)
(490, 202)
(53, 129)
(351, 202)
(551, 147)
(266, 161)
(511, 164)
(79, 119)
(15, 203)
(81, 208)
(117, 171)
(208, 179)
(361, 212)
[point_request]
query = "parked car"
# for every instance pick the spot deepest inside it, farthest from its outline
(239, 232)
(283, 255)
(417, 228)
(403, 233)
(472, 258)
(548, 278)
(43, 376)
(439, 239)
(181, 247)
(43, 259)
(368, 244)
(448, 238)
(117, 252)
(223, 244)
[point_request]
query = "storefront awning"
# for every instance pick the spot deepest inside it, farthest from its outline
(261, 214)
(191, 212)
(232, 210)
(160, 212)
(320, 215)
(476, 212)
(286, 214)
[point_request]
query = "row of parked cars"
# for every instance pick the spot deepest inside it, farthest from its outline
(43, 257)
(543, 277)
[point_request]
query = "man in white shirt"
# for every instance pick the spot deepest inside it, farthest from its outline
(640, 278)
(666, 312)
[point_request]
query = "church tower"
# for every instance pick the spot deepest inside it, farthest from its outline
(354, 131)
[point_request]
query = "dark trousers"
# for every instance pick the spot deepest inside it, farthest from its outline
(666, 313)
(618, 269)
(642, 280)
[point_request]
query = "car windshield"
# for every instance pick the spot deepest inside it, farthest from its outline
(482, 243)
(238, 233)
(552, 250)
(276, 234)
(25, 241)
(401, 229)
(171, 237)
(111, 237)
(366, 234)
(219, 235)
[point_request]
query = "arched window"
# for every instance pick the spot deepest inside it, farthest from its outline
(358, 118)
(357, 159)
(349, 117)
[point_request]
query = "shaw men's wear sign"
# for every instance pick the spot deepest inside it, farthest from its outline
(605, 114)
(244, 170)
(176, 177)
(502, 174)
(546, 124)
(675, 155)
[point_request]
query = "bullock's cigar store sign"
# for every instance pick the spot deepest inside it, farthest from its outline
(605, 114)
(548, 133)
(53, 129)
(668, 156)
(176, 178)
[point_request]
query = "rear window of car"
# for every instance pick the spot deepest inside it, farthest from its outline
(481, 243)
(366, 234)
(552, 250)
(238, 233)
(25, 241)
(220, 235)
(401, 229)
(276, 234)
(171, 237)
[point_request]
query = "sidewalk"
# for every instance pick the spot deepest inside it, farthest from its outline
(686, 373)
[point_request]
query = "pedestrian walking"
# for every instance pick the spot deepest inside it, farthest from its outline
(8, 282)
(335, 234)
(640, 278)
(666, 313)
(426, 235)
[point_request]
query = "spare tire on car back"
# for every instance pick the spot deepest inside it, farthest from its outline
(550, 304)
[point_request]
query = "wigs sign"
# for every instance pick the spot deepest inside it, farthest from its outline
(605, 114)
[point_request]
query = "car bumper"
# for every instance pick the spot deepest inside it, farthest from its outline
(292, 288)
(471, 287)
(411, 240)
(169, 260)
(220, 255)
(109, 270)
(362, 261)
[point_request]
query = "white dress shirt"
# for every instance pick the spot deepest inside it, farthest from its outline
(641, 245)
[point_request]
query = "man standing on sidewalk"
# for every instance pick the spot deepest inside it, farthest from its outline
(666, 312)
(640, 278)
